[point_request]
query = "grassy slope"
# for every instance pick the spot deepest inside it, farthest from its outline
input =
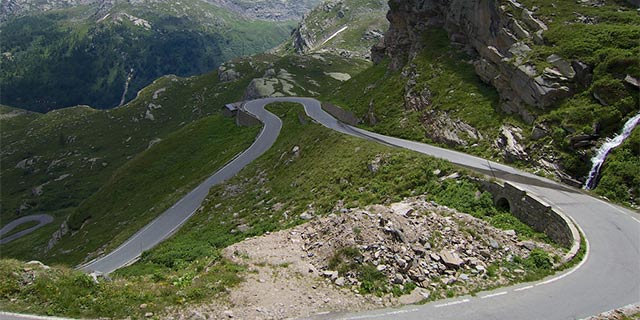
(358, 15)
(455, 89)
(609, 47)
(268, 195)
(620, 176)
(64, 142)
(70, 138)
(147, 185)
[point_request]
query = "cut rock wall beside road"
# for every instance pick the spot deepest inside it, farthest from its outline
(244, 119)
(341, 114)
(535, 213)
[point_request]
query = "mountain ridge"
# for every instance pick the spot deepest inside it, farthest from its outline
(99, 52)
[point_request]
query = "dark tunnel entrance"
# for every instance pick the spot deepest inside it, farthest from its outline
(503, 205)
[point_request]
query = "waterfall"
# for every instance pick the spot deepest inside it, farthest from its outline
(604, 150)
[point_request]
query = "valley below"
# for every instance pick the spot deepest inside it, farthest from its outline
(319, 159)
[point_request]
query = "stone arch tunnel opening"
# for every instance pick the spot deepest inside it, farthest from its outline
(503, 205)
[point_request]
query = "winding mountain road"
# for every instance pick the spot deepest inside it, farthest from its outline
(608, 278)
(41, 219)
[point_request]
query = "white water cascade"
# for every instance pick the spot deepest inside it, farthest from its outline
(604, 150)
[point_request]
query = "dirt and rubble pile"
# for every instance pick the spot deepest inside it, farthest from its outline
(414, 241)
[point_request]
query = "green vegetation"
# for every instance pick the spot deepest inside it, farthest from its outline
(152, 182)
(361, 17)
(507, 221)
(67, 57)
(454, 89)
(268, 195)
(79, 157)
(620, 175)
(379, 91)
(61, 291)
(372, 281)
(607, 43)
(70, 154)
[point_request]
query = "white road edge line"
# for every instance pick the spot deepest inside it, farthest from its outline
(523, 288)
(584, 260)
(30, 316)
(371, 316)
(617, 209)
(334, 35)
(451, 303)
(494, 295)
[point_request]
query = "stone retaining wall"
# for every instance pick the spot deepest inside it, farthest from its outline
(244, 119)
(535, 213)
(343, 115)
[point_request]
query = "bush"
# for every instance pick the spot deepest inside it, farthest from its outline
(507, 221)
(538, 259)
(372, 280)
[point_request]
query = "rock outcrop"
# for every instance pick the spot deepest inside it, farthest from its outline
(343, 27)
(509, 142)
(413, 241)
(283, 10)
(454, 132)
(497, 36)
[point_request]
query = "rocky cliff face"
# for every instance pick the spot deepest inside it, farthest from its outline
(498, 34)
(345, 27)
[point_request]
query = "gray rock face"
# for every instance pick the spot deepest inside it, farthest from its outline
(454, 255)
(61, 232)
(496, 35)
(228, 75)
(632, 81)
(509, 143)
(451, 259)
(281, 10)
(443, 129)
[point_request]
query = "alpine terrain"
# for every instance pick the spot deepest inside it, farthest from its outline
(337, 159)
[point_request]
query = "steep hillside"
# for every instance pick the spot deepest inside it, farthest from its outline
(53, 163)
(345, 27)
(100, 53)
(82, 165)
(309, 173)
(539, 88)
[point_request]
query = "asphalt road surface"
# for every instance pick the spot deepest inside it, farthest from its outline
(608, 278)
(42, 219)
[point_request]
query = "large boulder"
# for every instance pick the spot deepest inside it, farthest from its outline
(451, 259)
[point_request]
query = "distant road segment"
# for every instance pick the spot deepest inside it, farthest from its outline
(608, 278)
